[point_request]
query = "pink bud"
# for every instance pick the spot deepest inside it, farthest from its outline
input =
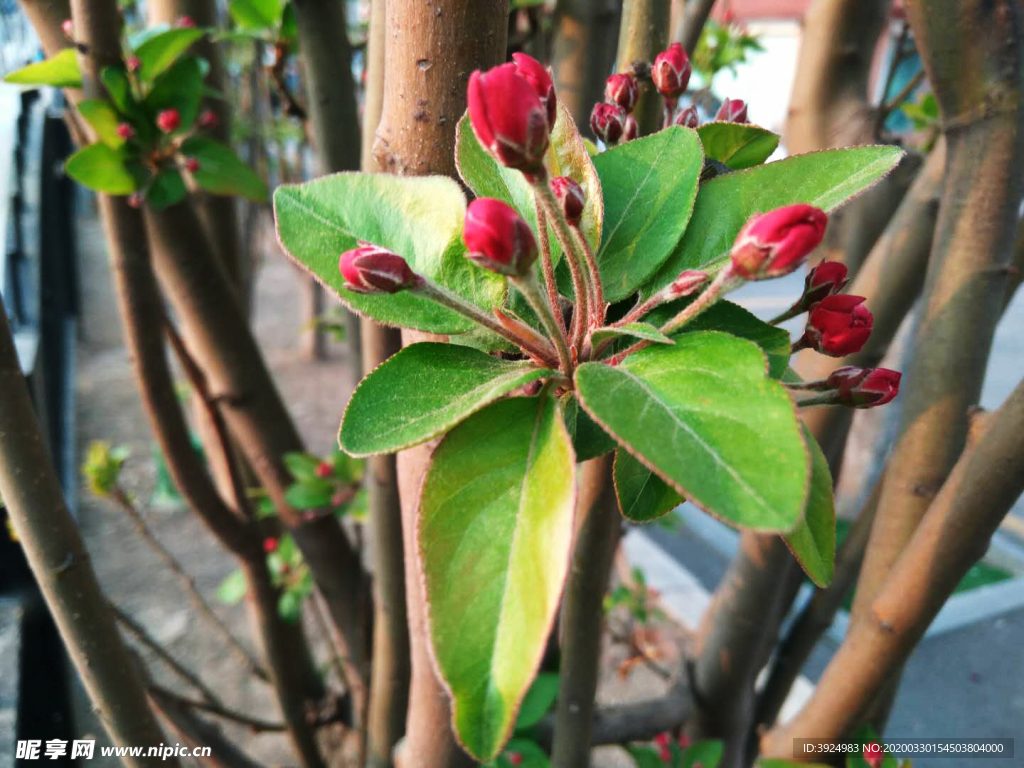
(838, 326)
(826, 279)
(873, 754)
(508, 117)
(68, 28)
(373, 269)
(324, 470)
(688, 117)
(570, 197)
(671, 71)
(732, 111)
(208, 119)
(631, 129)
(775, 243)
(133, 63)
(687, 283)
(537, 75)
(191, 164)
(135, 199)
(608, 121)
(622, 89)
(168, 120)
(125, 131)
(514, 758)
(269, 544)
(497, 238)
(186, 22)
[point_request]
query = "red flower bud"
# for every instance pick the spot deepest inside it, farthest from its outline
(537, 75)
(372, 269)
(508, 117)
(671, 71)
(68, 28)
(136, 199)
(826, 279)
(168, 120)
(688, 118)
(186, 22)
(497, 238)
(125, 131)
(133, 63)
(873, 754)
(324, 470)
(191, 164)
(608, 121)
(269, 544)
(775, 243)
(687, 282)
(864, 387)
(838, 325)
(732, 111)
(631, 129)
(208, 119)
(514, 758)
(570, 197)
(622, 89)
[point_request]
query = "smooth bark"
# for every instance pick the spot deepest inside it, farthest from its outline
(583, 53)
(643, 34)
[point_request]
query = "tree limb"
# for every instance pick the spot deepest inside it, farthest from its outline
(643, 34)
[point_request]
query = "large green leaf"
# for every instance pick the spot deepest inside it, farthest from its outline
(704, 416)
(588, 440)
(417, 217)
(60, 70)
(494, 531)
(160, 51)
(737, 145)
(101, 168)
(167, 189)
(825, 179)
(649, 188)
(256, 14)
(180, 88)
(567, 156)
(221, 171)
(422, 392)
(813, 542)
(642, 495)
(104, 120)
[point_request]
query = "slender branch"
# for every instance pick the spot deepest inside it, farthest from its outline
(692, 24)
(530, 288)
(253, 723)
(643, 34)
(597, 305)
(901, 97)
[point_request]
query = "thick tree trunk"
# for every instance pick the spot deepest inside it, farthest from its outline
(643, 34)
(583, 53)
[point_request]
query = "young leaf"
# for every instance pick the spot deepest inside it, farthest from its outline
(737, 145)
(221, 171)
(60, 70)
(813, 542)
(649, 188)
(232, 588)
(707, 754)
(422, 392)
(119, 88)
(160, 51)
(643, 496)
(419, 218)
(180, 88)
(703, 415)
(538, 700)
(310, 494)
(588, 440)
(645, 757)
(302, 465)
(167, 189)
(825, 179)
(494, 533)
(644, 331)
(101, 168)
(103, 119)
(256, 14)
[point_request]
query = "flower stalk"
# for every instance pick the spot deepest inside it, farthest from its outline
(530, 288)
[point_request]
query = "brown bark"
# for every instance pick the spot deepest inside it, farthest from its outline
(432, 47)
(695, 16)
(583, 53)
(643, 34)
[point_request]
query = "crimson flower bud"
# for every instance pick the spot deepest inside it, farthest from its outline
(125, 131)
(168, 120)
(537, 75)
(68, 28)
(514, 758)
(269, 544)
(135, 199)
(826, 279)
(208, 119)
(688, 118)
(570, 197)
(631, 129)
(133, 63)
(732, 111)
(864, 387)
(324, 470)
(838, 325)
(373, 269)
(873, 754)
(671, 71)
(497, 238)
(687, 283)
(775, 243)
(608, 121)
(191, 164)
(508, 117)
(622, 89)
(185, 22)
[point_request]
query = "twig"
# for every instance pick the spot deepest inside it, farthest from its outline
(292, 108)
(254, 723)
(887, 109)
(692, 24)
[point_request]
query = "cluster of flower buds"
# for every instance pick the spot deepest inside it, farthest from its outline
(373, 269)
(776, 243)
(168, 120)
(732, 111)
(837, 326)
(612, 120)
(826, 279)
(608, 122)
(498, 239)
(622, 89)
(664, 741)
(688, 118)
(512, 109)
(671, 71)
(569, 195)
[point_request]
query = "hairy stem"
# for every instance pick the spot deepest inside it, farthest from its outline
(529, 287)
(547, 266)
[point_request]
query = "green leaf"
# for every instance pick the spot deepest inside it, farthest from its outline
(538, 700)
(530, 755)
(645, 757)
(180, 88)
(825, 179)
(159, 52)
(813, 542)
(221, 171)
(707, 754)
(422, 392)
(310, 494)
(704, 417)
(289, 606)
(494, 531)
(737, 145)
(302, 465)
(101, 168)
(60, 70)
(256, 14)
(167, 189)
(588, 440)
(119, 88)
(649, 188)
(417, 217)
(103, 119)
(232, 588)
(632, 330)
(643, 496)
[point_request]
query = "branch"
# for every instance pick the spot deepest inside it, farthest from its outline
(887, 109)
(200, 733)
(643, 34)
(253, 723)
(694, 18)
